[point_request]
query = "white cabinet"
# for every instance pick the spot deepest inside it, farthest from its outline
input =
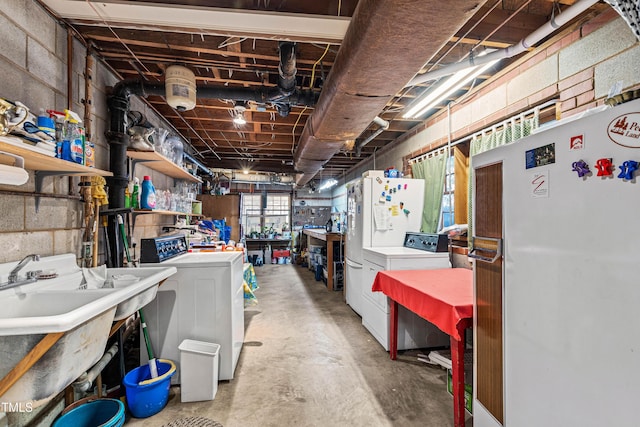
(413, 331)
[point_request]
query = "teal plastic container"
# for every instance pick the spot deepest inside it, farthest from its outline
(148, 196)
(97, 413)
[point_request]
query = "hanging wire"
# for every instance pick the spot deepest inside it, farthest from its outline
(233, 147)
(116, 35)
(313, 69)
(229, 41)
(293, 131)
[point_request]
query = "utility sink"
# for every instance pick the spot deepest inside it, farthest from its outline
(65, 302)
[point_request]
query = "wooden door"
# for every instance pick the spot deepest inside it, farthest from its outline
(488, 279)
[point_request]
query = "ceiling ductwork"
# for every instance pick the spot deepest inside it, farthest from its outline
(376, 59)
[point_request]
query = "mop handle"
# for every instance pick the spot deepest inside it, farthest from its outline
(124, 238)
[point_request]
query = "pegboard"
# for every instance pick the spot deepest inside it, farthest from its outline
(311, 215)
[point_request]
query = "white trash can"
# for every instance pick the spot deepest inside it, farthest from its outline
(198, 370)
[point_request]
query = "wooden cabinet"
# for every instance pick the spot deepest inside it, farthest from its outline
(319, 236)
(225, 207)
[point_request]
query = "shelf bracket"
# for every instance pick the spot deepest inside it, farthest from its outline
(40, 176)
(134, 163)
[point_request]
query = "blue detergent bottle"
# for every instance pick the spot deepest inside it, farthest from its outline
(148, 196)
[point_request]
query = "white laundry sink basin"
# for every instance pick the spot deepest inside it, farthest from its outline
(65, 303)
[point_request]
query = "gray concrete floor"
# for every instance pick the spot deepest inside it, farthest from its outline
(308, 361)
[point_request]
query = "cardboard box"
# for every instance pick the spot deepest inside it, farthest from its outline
(468, 391)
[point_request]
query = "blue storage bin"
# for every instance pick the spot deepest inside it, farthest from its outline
(100, 412)
(147, 396)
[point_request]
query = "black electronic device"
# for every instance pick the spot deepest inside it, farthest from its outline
(159, 249)
(429, 242)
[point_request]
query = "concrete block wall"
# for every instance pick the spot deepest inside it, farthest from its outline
(33, 63)
(33, 66)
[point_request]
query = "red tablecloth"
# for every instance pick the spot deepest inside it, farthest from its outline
(443, 297)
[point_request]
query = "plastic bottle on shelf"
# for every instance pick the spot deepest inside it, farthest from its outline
(74, 136)
(148, 197)
(135, 194)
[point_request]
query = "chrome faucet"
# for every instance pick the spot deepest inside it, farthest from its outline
(13, 276)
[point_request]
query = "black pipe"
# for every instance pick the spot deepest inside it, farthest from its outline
(283, 97)
(287, 68)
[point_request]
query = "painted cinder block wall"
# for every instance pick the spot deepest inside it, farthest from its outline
(33, 65)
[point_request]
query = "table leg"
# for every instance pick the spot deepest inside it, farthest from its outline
(393, 330)
(329, 265)
(457, 376)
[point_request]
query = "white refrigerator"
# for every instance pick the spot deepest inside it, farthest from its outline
(379, 212)
(570, 338)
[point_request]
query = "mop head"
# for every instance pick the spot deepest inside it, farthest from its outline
(98, 193)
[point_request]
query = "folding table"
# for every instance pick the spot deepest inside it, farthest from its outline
(443, 297)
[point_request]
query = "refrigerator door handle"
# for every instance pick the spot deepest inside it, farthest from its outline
(353, 264)
(487, 245)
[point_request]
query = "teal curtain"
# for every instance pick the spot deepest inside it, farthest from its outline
(510, 132)
(432, 170)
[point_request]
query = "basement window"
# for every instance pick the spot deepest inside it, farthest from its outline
(265, 214)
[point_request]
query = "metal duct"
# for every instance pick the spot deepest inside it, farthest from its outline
(385, 44)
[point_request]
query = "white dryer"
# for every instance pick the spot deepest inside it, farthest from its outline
(419, 253)
(203, 301)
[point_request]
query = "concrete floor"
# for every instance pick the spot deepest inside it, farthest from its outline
(308, 361)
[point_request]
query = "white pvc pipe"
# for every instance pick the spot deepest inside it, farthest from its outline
(384, 125)
(511, 51)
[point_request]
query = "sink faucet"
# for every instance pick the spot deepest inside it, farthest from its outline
(13, 276)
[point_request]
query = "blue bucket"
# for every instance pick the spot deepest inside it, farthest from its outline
(147, 396)
(97, 413)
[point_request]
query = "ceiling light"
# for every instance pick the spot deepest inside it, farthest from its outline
(328, 184)
(450, 86)
(239, 117)
(245, 171)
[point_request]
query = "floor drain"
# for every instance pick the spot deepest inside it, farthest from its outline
(193, 422)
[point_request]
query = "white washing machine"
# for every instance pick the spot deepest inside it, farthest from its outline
(203, 301)
(413, 331)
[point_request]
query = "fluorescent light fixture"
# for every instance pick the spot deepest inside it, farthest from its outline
(328, 184)
(204, 20)
(245, 171)
(451, 85)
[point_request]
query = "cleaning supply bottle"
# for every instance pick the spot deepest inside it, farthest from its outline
(127, 197)
(148, 197)
(135, 194)
(74, 135)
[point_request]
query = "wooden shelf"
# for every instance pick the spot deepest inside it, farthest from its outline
(43, 164)
(163, 212)
(158, 162)
(137, 212)
(37, 161)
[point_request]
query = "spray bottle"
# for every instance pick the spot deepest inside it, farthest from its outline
(135, 195)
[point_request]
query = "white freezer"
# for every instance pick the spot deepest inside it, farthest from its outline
(413, 331)
(571, 297)
(203, 301)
